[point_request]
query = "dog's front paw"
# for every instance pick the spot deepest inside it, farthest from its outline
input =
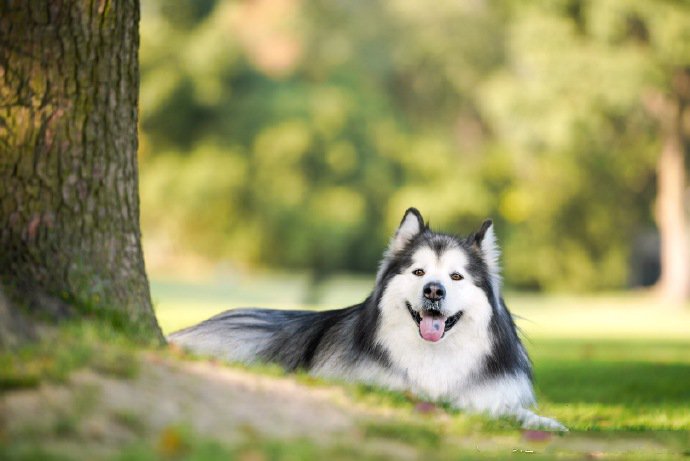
(533, 421)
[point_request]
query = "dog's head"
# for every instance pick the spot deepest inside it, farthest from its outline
(438, 282)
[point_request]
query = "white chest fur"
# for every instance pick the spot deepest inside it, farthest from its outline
(439, 370)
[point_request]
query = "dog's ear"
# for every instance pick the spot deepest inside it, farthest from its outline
(485, 241)
(412, 224)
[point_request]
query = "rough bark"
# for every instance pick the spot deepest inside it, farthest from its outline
(69, 203)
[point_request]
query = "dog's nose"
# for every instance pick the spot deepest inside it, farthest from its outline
(434, 291)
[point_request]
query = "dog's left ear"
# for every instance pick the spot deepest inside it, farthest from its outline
(485, 241)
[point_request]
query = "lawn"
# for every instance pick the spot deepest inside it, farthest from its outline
(614, 368)
(602, 363)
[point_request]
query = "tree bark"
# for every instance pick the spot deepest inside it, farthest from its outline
(674, 283)
(69, 203)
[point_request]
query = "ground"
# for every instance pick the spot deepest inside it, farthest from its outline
(615, 369)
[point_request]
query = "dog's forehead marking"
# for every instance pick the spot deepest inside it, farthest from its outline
(452, 258)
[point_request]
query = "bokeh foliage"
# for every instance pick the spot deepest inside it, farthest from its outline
(294, 134)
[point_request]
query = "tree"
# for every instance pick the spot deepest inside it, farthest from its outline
(69, 206)
(599, 108)
(670, 210)
(289, 144)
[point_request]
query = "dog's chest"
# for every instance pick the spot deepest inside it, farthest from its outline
(440, 374)
(438, 370)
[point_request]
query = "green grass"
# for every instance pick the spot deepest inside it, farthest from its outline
(73, 346)
(602, 362)
(614, 385)
(615, 369)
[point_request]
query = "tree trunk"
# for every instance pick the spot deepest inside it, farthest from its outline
(69, 202)
(674, 283)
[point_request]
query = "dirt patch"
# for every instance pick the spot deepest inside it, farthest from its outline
(103, 413)
(97, 415)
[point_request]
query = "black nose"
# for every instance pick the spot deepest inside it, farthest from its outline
(434, 291)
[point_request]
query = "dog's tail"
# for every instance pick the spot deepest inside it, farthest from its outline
(239, 335)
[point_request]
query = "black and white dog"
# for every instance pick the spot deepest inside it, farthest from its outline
(435, 324)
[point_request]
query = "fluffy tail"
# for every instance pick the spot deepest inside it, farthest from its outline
(239, 335)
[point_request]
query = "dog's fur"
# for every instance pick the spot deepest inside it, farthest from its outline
(478, 364)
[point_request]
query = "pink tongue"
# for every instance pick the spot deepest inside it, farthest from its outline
(431, 328)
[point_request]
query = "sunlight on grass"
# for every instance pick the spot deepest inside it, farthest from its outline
(614, 316)
(612, 385)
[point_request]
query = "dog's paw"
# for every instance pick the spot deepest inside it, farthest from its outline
(533, 421)
(543, 423)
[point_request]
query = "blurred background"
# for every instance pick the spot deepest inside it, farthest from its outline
(282, 140)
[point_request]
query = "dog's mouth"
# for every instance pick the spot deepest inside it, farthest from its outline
(431, 323)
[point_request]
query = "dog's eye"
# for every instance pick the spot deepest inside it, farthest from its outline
(418, 272)
(456, 276)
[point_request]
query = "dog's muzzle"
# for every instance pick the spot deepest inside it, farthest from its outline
(431, 323)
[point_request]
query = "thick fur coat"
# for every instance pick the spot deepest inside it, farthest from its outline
(435, 324)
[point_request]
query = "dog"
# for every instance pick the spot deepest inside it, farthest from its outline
(435, 324)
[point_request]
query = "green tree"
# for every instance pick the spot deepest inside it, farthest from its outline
(327, 119)
(329, 114)
(589, 90)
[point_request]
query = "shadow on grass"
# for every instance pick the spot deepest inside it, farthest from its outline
(610, 382)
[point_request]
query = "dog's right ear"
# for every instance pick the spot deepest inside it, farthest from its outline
(412, 224)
